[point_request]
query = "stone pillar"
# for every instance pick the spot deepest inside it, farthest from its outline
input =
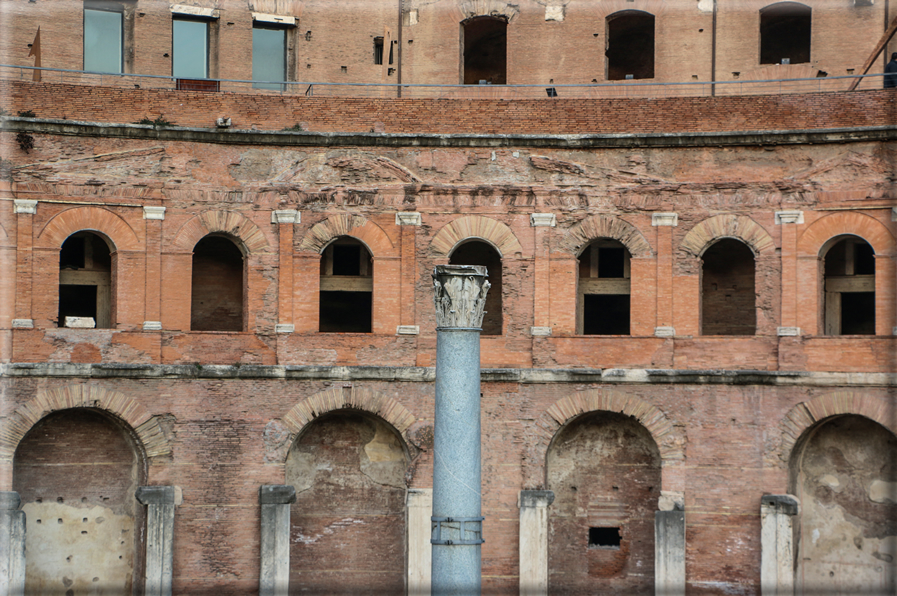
(285, 219)
(274, 572)
(789, 221)
(160, 502)
(777, 544)
(12, 545)
(409, 221)
(542, 224)
(152, 317)
(418, 507)
(664, 222)
(534, 541)
(669, 553)
(26, 210)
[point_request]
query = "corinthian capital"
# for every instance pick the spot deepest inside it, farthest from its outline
(460, 295)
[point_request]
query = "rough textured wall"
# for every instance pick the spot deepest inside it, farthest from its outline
(77, 473)
(728, 300)
(347, 526)
(604, 469)
(217, 286)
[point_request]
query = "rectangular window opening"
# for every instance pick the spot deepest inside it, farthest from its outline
(346, 260)
(606, 314)
(269, 57)
(604, 538)
(190, 49)
(104, 37)
(345, 312)
(378, 50)
(77, 301)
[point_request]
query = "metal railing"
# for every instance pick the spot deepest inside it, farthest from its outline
(617, 89)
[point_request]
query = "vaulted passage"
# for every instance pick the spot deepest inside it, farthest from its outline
(217, 288)
(630, 45)
(849, 287)
(77, 472)
(785, 33)
(347, 285)
(481, 253)
(604, 289)
(485, 50)
(844, 472)
(348, 523)
(604, 469)
(728, 301)
(85, 282)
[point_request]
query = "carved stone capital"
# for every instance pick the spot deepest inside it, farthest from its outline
(25, 206)
(151, 212)
(460, 295)
(789, 217)
(408, 218)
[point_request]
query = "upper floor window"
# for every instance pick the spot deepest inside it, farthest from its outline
(850, 288)
(190, 48)
(269, 56)
(217, 286)
(785, 33)
(630, 45)
(604, 289)
(85, 282)
(104, 34)
(347, 286)
(481, 253)
(728, 300)
(485, 43)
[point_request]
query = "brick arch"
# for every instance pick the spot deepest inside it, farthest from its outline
(225, 222)
(653, 7)
(806, 414)
(344, 224)
(146, 428)
(491, 230)
(468, 9)
(347, 398)
(740, 227)
(79, 219)
(607, 226)
(825, 228)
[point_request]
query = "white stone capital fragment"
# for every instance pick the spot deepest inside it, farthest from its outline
(554, 13)
(671, 500)
(789, 217)
(408, 330)
(788, 331)
(664, 219)
(80, 322)
(24, 206)
(150, 212)
(276, 19)
(22, 324)
(284, 328)
(547, 220)
(286, 216)
(459, 294)
(196, 11)
(152, 325)
(408, 218)
(664, 332)
(540, 331)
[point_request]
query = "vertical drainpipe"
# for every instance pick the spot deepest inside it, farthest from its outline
(399, 53)
(457, 522)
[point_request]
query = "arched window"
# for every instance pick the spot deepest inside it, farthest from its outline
(630, 45)
(785, 33)
(85, 282)
(849, 273)
(485, 43)
(604, 289)
(728, 301)
(217, 286)
(481, 253)
(347, 285)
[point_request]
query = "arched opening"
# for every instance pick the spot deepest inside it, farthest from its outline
(347, 287)
(849, 287)
(844, 473)
(85, 282)
(728, 300)
(477, 252)
(604, 469)
(604, 289)
(348, 469)
(216, 302)
(76, 472)
(630, 45)
(785, 33)
(485, 43)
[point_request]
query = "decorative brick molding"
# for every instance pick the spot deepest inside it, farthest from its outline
(826, 228)
(700, 237)
(605, 226)
(323, 233)
(806, 414)
(476, 226)
(145, 427)
(346, 397)
(96, 219)
(227, 222)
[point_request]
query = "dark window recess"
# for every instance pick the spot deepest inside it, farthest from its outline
(850, 288)
(604, 289)
(858, 313)
(378, 50)
(630, 45)
(217, 286)
(604, 538)
(85, 278)
(481, 253)
(728, 300)
(346, 260)
(485, 50)
(346, 312)
(346, 293)
(785, 33)
(77, 301)
(606, 314)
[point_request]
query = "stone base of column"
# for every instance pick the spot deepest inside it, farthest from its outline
(777, 544)
(274, 573)
(534, 541)
(669, 553)
(12, 545)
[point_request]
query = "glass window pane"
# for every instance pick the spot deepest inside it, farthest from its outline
(102, 41)
(190, 46)
(269, 57)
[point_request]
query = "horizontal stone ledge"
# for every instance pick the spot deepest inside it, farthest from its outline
(356, 139)
(419, 374)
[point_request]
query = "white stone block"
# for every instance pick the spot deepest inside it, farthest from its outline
(22, 324)
(152, 325)
(408, 218)
(286, 216)
(284, 328)
(540, 331)
(788, 331)
(408, 330)
(150, 212)
(664, 219)
(80, 322)
(789, 217)
(664, 331)
(26, 206)
(538, 220)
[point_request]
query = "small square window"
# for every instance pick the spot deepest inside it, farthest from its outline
(604, 538)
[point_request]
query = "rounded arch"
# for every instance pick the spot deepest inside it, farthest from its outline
(228, 223)
(147, 429)
(472, 227)
(94, 219)
(606, 226)
(323, 233)
(739, 227)
(806, 414)
(655, 8)
(346, 398)
(817, 234)
(502, 9)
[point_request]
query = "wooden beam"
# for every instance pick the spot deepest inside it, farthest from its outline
(889, 33)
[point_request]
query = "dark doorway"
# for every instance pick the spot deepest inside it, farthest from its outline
(217, 288)
(728, 300)
(849, 286)
(630, 45)
(485, 41)
(604, 289)
(85, 280)
(347, 285)
(481, 253)
(785, 33)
